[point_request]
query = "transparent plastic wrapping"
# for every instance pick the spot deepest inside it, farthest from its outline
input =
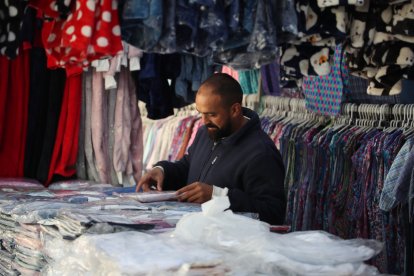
(332, 250)
(152, 196)
(128, 253)
(19, 184)
(217, 227)
(22, 182)
(78, 185)
(255, 249)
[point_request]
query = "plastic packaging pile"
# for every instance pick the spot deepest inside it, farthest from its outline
(215, 242)
(31, 217)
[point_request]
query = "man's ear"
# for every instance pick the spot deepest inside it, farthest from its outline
(236, 110)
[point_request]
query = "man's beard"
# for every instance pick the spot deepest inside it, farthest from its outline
(216, 133)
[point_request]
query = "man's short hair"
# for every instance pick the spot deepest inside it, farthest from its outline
(226, 86)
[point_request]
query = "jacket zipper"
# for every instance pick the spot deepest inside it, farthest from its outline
(207, 169)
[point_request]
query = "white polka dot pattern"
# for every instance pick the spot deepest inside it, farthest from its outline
(86, 31)
(70, 30)
(11, 37)
(91, 5)
(106, 16)
(102, 42)
(89, 32)
(13, 11)
(51, 37)
(116, 30)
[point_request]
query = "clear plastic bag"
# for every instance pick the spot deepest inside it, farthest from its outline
(254, 249)
(77, 185)
(153, 196)
(128, 253)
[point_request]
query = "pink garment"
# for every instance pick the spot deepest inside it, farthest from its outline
(128, 146)
(197, 124)
(137, 144)
(99, 125)
(231, 72)
(122, 125)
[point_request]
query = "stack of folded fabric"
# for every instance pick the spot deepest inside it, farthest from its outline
(32, 217)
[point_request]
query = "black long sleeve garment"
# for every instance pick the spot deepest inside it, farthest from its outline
(247, 163)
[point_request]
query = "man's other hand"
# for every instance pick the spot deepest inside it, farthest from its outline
(197, 192)
(153, 179)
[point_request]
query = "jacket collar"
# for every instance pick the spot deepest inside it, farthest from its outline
(251, 124)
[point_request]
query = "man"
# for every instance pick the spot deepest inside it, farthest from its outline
(229, 151)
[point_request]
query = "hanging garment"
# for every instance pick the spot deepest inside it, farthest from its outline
(128, 143)
(90, 32)
(56, 89)
(252, 38)
(99, 127)
(81, 157)
(230, 71)
(377, 52)
(13, 118)
(63, 162)
(39, 104)
(357, 93)
(153, 86)
(270, 78)
(11, 21)
(249, 81)
(324, 93)
(142, 23)
(194, 70)
(286, 21)
(91, 168)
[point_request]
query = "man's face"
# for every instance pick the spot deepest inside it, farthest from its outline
(216, 116)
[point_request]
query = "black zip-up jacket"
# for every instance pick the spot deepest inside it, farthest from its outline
(247, 163)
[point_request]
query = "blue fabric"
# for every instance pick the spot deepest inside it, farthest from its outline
(142, 23)
(254, 42)
(398, 178)
(194, 71)
(249, 81)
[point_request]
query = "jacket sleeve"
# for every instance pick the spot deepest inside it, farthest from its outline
(175, 173)
(263, 184)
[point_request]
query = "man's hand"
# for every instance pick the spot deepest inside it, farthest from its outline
(153, 178)
(196, 192)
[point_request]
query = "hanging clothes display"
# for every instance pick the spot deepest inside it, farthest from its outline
(172, 136)
(111, 145)
(381, 46)
(238, 33)
(378, 41)
(335, 178)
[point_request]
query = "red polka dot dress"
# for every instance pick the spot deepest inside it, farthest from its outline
(91, 31)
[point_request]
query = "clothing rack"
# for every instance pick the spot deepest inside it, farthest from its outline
(379, 115)
(336, 167)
